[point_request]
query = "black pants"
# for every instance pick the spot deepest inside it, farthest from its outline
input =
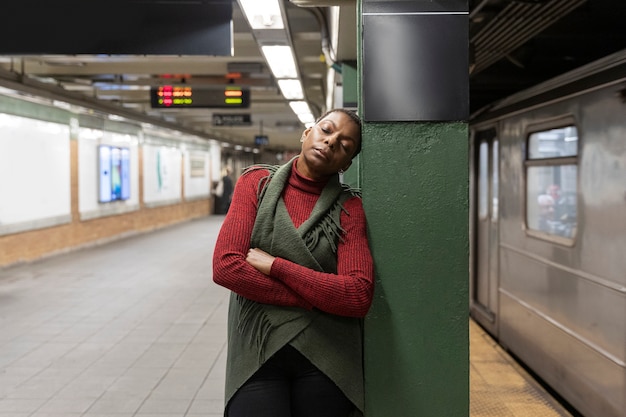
(288, 385)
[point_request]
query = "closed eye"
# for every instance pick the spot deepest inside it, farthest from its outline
(346, 145)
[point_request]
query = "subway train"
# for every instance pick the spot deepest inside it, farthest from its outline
(548, 232)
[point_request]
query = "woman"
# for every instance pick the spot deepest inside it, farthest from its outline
(293, 250)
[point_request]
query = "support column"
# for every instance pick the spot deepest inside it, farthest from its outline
(413, 171)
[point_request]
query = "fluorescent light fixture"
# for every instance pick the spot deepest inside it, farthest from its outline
(307, 119)
(291, 89)
(268, 14)
(62, 104)
(303, 111)
(71, 87)
(280, 60)
(299, 107)
(123, 87)
(262, 14)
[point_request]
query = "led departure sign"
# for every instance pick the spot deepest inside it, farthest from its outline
(172, 96)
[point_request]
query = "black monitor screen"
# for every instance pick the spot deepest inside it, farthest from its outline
(178, 27)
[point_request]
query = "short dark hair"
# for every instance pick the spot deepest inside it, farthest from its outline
(355, 118)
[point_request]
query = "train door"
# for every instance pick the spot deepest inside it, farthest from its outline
(484, 277)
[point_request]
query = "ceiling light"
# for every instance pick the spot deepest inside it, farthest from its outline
(62, 104)
(262, 14)
(307, 119)
(280, 60)
(74, 87)
(124, 87)
(291, 89)
(303, 111)
(277, 50)
(299, 107)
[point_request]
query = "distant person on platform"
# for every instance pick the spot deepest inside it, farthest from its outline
(223, 192)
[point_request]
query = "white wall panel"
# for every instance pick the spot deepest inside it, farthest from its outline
(34, 174)
(162, 174)
(197, 174)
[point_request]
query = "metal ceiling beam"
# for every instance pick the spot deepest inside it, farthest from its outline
(514, 25)
(51, 92)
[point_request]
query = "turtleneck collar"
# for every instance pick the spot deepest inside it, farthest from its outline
(303, 183)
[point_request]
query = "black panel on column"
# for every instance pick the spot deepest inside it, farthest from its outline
(415, 60)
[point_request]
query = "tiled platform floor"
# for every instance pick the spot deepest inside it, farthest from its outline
(499, 387)
(132, 328)
(136, 328)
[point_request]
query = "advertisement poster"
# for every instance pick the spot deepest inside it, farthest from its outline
(104, 153)
(114, 177)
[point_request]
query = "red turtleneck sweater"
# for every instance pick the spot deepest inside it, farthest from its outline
(347, 293)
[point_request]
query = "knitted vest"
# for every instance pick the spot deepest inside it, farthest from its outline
(256, 331)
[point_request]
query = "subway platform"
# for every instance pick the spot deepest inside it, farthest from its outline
(137, 328)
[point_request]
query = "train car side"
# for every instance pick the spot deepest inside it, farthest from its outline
(558, 254)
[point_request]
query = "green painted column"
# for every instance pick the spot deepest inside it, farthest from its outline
(414, 179)
(350, 80)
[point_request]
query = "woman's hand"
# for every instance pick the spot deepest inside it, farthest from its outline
(261, 260)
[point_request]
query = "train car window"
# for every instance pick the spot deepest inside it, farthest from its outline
(483, 180)
(553, 143)
(495, 190)
(551, 182)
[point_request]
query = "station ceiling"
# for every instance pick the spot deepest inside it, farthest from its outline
(514, 44)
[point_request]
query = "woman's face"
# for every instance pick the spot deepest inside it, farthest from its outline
(328, 146)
